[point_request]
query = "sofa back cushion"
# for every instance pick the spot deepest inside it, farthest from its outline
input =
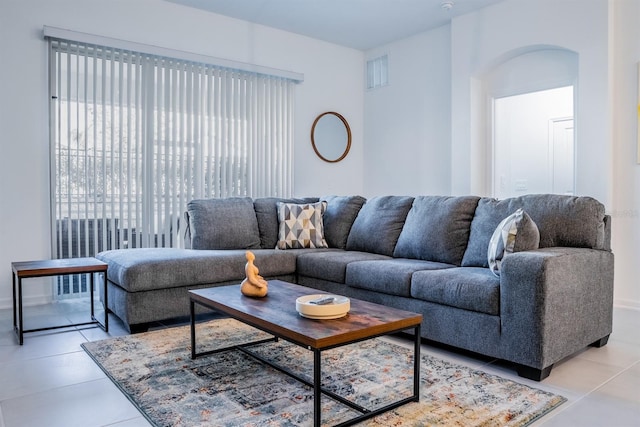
(339, 217)
(378, 224)
(228, 223)
(266, 212)
(437, 229)
(569, 221)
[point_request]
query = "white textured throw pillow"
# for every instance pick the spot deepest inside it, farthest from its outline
(515, 233)
(301, 225)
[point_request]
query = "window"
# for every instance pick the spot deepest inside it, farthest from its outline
(136, 136)
(378, 72)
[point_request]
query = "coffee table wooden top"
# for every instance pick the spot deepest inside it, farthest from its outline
(276, 313)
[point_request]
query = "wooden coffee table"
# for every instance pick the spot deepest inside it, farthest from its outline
(276, 314)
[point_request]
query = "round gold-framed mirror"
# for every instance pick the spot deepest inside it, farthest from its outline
(331, 136)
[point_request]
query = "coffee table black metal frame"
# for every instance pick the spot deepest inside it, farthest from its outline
(316, 384)
(56, 267)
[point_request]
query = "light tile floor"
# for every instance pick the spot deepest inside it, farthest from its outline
(50, 381)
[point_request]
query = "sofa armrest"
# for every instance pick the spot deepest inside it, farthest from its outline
(554, 302)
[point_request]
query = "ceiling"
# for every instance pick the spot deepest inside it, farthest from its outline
(360, 24)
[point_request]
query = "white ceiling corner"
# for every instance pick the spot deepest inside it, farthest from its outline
(359, 24)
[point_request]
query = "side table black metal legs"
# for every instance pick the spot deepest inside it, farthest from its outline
(57, 267)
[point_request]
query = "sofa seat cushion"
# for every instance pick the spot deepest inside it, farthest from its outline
(437, 229)
(144, 269)
(392, 277)
(378, 225)
(469, 288)
(331, 264)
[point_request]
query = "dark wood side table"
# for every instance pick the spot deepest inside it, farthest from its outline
(56, 267)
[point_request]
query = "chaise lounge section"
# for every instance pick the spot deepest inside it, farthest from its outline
(533, 303)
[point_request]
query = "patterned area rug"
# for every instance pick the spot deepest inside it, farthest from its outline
(155, 371)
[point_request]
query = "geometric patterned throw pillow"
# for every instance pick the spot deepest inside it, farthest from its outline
(515, 233)
(301, 226)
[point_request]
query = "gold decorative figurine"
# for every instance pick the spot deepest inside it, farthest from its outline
(254, 284)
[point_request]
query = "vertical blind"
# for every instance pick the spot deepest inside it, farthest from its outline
(135, 136)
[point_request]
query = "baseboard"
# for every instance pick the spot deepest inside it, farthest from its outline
(26, 301)
(627, 303)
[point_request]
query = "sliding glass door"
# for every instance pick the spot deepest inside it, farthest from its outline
(134, 137)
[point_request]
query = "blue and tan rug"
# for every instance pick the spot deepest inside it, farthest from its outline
(155, 371)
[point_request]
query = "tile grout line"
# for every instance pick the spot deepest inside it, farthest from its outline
(596, 388)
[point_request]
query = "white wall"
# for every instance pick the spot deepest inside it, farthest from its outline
(606, 37)
(404, 122)
(418, 134)
(483, 39)
(333, 82)
(408, 122)
(625, 208)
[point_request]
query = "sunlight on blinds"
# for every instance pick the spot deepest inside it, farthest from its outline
(135, 137)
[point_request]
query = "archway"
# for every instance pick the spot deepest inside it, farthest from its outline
(536, 70)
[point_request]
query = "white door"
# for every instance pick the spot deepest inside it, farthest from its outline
(561, 147)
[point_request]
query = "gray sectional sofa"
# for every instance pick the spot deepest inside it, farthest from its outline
(425, 254)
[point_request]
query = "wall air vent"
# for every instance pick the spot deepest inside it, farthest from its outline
(378, 72)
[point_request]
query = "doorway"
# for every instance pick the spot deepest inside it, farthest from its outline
(533, 143)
